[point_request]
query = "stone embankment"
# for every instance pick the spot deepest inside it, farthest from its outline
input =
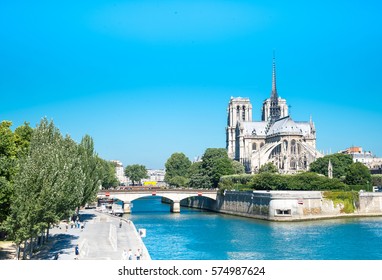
(286, 205)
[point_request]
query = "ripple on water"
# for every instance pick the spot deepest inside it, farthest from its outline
(200, 235)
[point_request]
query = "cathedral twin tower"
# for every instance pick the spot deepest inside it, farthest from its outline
(289, 145)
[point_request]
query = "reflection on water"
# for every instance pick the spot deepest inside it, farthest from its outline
(202, 235)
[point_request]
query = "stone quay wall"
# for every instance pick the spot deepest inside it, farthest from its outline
(285, 205)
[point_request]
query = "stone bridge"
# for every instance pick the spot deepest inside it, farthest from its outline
(174, 195)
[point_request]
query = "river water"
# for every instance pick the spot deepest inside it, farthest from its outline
(202, 235)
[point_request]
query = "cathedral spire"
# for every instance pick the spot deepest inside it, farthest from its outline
(275, 110)
(274, 89)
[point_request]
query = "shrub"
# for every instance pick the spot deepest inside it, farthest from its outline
(348, 199)
(239, 182)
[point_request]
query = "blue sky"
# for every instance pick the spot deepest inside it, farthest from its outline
(148, 78)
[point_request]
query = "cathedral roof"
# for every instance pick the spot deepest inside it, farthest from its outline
(287, 126)
(254, 128)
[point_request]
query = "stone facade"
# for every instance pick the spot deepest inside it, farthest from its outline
(277, 138)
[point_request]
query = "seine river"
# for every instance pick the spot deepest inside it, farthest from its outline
(201, 235)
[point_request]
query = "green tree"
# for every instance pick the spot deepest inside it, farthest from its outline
(270, 181)
(177, 166)
(6, 193)
(136, 172)
(8, 152)
(23, 136)
(268, 167)
(7, 140)
(195, 168)
(91, 167)
(236, 181)
(179, 181)
(108, 176)
(340, 163)
(238, 167)
(215, 163)
(313, 181)
(358, 174)
(48, 185)
(199, 180)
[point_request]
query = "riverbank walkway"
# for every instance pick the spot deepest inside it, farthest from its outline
(101, 238)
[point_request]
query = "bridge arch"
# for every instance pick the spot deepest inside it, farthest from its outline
(175, 196)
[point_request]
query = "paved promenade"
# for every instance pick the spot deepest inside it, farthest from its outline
(101, 239)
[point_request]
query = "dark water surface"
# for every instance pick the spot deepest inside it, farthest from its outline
(201, 235)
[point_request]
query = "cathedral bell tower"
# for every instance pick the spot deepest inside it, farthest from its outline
(239, 110)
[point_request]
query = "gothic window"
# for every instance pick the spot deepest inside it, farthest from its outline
(254, 147)
(262, 144)
(285, 145)
(238, 112)
(243, 113)
(293, 148)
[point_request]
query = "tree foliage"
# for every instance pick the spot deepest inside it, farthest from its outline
(23, 136)
(275, 181)
(269, 181)
(13, 145)
(6, 194)
(48, 184)
(136, 172)
(215, 163)
(198, 177)
(8, 150)
(268, 167)
(108, 176)
(340, 163)
(91, 167)
(177, 166)
(202, 174)
(238, 167)
(179, 181)
(358, 174)
(54, 176)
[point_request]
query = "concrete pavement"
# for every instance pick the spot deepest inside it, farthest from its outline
(101, 239)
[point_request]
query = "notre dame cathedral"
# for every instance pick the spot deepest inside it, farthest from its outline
(288, 144)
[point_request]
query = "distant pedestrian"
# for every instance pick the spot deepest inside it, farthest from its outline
(78, 222)
(130, 255)
(120, 223)
(56, 256)
(138, 254)
(77, 252)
